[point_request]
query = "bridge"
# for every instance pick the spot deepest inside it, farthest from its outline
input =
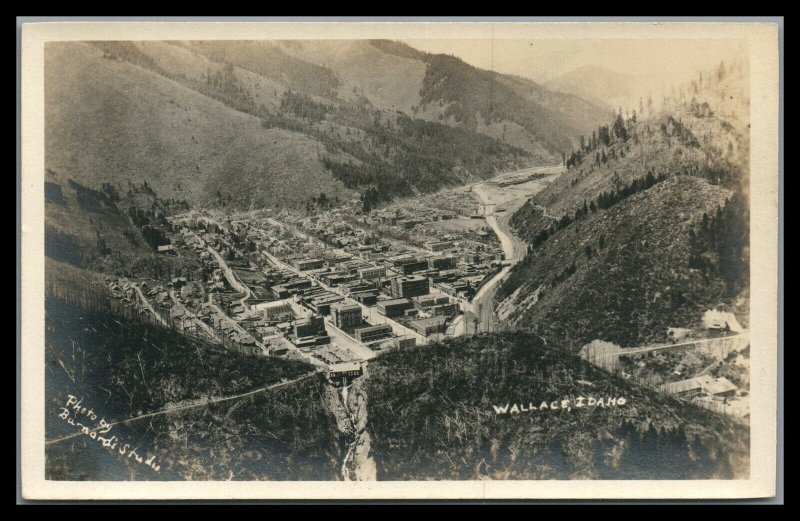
(606, 355)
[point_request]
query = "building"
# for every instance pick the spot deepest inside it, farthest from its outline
(345, 315)
(334, 259)
(445, 310)
(399, 260)
(322, 304)
(167, 249)
(367, 297)
(312, 341)
(376, 272)
(344, 372)
(438, 245)
(394, 307)
(404, 342)
(338, 277)
(308, 264)
(429, 326)
(277, 345)
(311, 326)
(413, 267)
(274, 311)
(372, 333)
(443, 263)
(410, 286)
(428, 301)
(699, 386)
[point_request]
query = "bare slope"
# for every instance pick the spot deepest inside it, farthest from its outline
(110, 120)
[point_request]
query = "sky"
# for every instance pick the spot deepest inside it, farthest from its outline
(653, 60)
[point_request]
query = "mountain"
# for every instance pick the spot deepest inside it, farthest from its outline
(110, 120)
(599, 85)
(247, 124)
(648, 227)
(436, 413)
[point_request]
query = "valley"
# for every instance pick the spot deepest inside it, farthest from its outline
(295, 267)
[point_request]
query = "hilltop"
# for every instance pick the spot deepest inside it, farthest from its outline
(433, 414)
(647, 228)
(246, 124)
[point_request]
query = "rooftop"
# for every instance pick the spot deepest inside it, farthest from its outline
(345, 306)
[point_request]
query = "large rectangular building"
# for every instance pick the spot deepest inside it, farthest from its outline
(410, 286)
(337, 278)
(394, 307)
(346, 315)
(372, 333)
(427, 301)
(443, 263)
(376, 272)
(413, 267)
(438, 245)
(447, 310)
(322, 305)
(311, 326)
(368, 297)
(429, 326)
(308, 264)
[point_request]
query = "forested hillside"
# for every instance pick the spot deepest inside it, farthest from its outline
(648, 227)
(110, 230)
(245, 124)
(434, 416)
(121, 367)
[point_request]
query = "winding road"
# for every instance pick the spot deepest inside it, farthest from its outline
(511, 198)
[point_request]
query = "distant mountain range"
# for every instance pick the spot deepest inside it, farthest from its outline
(599, 85)
(246, 124)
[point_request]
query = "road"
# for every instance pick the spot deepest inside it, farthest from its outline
(236, 325)
(740, 337)
(514, 249)
(205, 327)
(148, 306)
(201, 402)
(233, 280)
(370, 314)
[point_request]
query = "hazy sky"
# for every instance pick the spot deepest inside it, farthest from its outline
(659, 60)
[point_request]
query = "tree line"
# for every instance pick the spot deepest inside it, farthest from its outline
(604, 201)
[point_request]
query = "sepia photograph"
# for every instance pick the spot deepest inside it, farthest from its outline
(428, 256)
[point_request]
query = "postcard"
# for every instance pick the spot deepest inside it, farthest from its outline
(399, 260)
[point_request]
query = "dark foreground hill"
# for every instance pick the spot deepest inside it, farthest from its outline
(432, 416)
(120, 368)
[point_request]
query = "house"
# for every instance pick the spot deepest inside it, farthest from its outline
(718, 325)
(700, 385)
(166, 249)
(345, 371)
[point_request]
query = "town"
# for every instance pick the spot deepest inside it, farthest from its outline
(334, 288)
